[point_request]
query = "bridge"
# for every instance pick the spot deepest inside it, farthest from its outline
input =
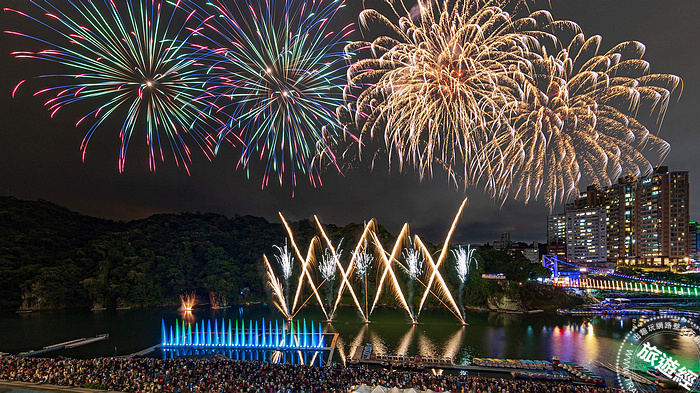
(612, 281)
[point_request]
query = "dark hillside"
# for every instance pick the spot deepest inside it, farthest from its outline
(51, 257)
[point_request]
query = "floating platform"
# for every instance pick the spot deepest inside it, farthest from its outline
(143, 352)
(65, 345)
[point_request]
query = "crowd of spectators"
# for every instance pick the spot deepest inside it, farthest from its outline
(225, 375)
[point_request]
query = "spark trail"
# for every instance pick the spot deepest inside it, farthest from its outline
(133, 63)
(435, 266)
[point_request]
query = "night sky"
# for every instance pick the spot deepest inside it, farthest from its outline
(40, 156)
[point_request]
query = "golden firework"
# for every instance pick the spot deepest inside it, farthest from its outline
(471, 87)
(577, 118)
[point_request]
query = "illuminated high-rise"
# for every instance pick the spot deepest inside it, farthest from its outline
(556, 235)
(646, 220)
(585, 235)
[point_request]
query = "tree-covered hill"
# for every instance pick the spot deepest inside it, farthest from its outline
(52, 258)
(42, 242)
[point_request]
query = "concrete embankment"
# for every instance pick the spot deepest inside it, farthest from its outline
(43, 387)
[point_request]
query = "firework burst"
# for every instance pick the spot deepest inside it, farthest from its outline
(414, 267)
(286, 261)
(436, 87)
(471, 88)
(132, 59)
(578, 118)
(361, 259)
(278, 72)
(363, 264)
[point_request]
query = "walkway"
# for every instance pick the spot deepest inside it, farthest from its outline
(42, 387)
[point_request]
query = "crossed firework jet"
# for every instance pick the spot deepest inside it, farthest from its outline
(369, 234)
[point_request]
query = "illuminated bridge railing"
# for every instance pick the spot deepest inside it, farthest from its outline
(630, 286)
(234, 334)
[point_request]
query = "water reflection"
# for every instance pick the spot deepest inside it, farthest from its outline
(584, 340)
(406, 340)
(187, 316)
(377, 342)
(454, 343)
(357, 340)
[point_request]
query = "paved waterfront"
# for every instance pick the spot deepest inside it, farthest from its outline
(32, 387)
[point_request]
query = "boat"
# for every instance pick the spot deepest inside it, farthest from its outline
(657, 374)
(549, 376)
(687, 332)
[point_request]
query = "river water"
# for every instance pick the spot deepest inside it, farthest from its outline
(583, 340)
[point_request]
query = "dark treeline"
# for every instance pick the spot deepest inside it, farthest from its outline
(52, 258)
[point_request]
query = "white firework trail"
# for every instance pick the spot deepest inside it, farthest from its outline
(363, 262)
(464, 259)
(328, 267)
(285, 260)
(329, 264)
(414, 260)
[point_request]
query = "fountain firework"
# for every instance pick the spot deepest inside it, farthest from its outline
(435, 273)
(187, 301)
(388, 270)
(344, 273)
(368, 253)
(463, 259)
(363, 263)
(217, 300)
(286, 262)
(414, 261)
(328, 268)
